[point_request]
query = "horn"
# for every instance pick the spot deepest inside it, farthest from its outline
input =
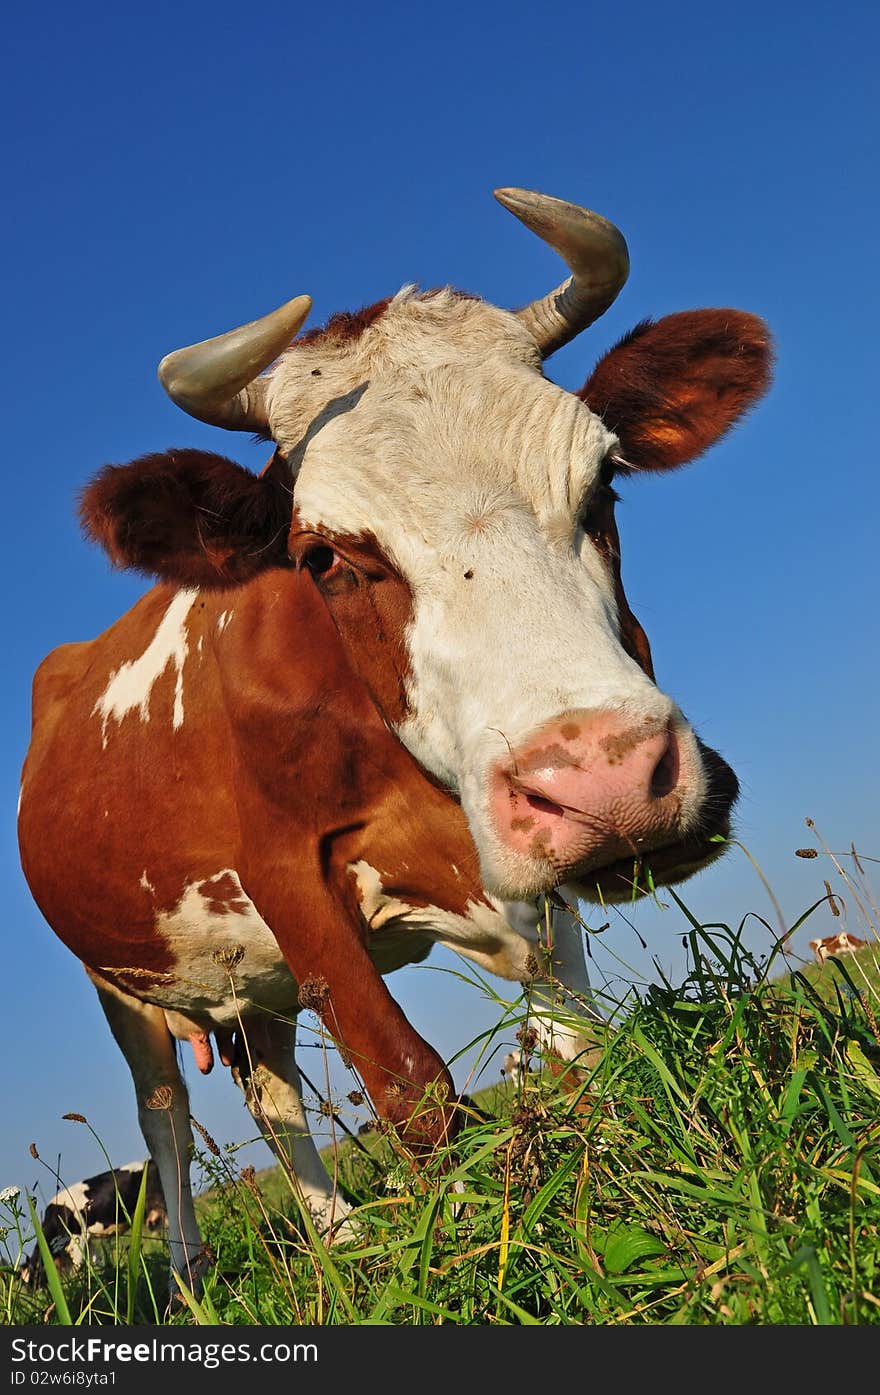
(593, 249)
(218, 380)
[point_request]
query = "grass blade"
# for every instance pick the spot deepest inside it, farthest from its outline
(53, 1278)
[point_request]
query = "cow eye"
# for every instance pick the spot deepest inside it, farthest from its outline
(597, 507)
(321, 559)
(597, 515)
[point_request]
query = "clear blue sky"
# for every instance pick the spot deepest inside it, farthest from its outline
(172, 170)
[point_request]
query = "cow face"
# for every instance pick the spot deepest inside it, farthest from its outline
(448, 494)
(455, 509)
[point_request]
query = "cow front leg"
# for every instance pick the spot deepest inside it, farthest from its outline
(142, 1035)
(562, 1005)
(324, 943)
(265, 1069)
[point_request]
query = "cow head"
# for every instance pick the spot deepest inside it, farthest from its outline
(455, 508)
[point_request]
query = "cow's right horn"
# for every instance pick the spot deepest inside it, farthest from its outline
(218, 380)
(593, 248)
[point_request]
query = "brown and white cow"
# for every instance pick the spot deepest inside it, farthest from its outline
(831, 945)
(387, 694)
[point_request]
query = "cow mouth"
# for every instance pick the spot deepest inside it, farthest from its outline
(632, 865)
(630, 878)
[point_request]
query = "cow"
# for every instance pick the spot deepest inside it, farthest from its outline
(515, 1068)
(836, 944)
(386, 694)
(98, 1206)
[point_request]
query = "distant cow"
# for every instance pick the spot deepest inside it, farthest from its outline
(387, 694)
(98, 1206)
(513, 1069)
(836, 944)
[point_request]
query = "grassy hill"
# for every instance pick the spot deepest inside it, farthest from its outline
(717, 1163)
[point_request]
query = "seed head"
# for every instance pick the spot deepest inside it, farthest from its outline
(527, 1037)
(228, 958)
(208, 1140)
(314, 993)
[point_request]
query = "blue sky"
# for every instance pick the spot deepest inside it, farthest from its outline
(174, 170)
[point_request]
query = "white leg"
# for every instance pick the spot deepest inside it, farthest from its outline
(271, 1084)
(142, 1035)
(568, 993)
(76, 1251)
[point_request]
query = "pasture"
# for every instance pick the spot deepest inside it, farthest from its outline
(716, 1162)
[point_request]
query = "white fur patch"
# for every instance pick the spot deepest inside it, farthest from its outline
(75, 1196)
(215, 919)
(486, 934)
(504, 938)
(132, 683)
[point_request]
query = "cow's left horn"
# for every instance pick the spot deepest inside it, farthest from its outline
(218, 380)
(593, 248)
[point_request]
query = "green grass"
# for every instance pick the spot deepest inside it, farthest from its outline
(717, 1163)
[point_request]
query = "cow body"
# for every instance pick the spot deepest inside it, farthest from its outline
(93, 1209)
(390, 693)
(165, 885)
(831, 945)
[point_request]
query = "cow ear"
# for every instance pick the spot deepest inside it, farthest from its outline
(189, 517)
(671, 388)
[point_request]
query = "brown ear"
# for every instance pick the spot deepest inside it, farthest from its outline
(671, 388)
(188, 516)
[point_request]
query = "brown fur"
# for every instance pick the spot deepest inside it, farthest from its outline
(279, 735)
(371, 605)
(842, 943)
(670, 389)
(345, 325)
(188, 516)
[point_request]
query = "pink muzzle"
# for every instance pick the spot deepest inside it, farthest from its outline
(590, 788)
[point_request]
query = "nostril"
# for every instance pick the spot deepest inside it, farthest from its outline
(665, 776)
(542, 805)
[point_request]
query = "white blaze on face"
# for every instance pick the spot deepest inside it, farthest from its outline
(132, 683)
